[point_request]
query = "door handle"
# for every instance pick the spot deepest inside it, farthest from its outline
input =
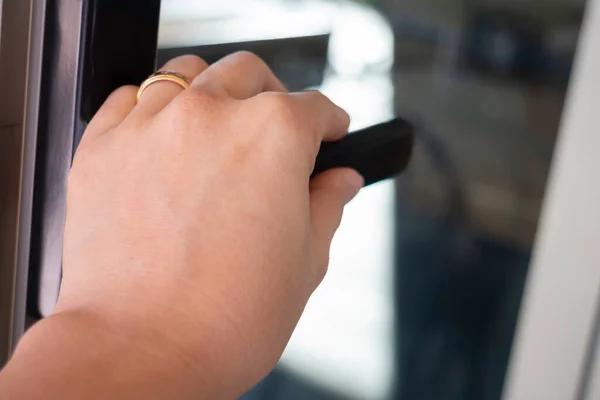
(378, 152)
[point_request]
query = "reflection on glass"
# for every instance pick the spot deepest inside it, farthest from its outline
(427, 272)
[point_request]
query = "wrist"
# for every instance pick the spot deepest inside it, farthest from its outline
(209, 336)
(108, 359)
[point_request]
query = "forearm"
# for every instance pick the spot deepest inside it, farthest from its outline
(74, 355)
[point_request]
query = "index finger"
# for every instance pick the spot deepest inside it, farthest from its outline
(321, 119)
(302, 121)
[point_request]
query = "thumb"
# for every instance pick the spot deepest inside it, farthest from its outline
(330, 191)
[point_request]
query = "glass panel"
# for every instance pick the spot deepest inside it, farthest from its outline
(426, 272)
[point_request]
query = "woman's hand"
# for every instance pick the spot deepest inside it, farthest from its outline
(193, 229)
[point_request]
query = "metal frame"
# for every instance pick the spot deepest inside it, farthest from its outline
(555, 337)
(21, 35)
(55, 150)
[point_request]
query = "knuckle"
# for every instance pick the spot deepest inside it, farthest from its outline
(315, 95)
(247, 58)
(278, 108)
(281, 138)
(192, 60)
(193, 101)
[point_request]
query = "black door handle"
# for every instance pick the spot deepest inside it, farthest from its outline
(379, 152)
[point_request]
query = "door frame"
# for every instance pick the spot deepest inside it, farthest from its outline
(21, 36)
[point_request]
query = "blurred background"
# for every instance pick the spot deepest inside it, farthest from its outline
(426, 272)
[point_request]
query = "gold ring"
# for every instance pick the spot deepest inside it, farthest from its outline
(170, 76)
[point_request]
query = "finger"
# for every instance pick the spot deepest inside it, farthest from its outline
(323, 119)
(304, 119)
(158, 95)
(241, 75)
(329, 193)
(114, 110)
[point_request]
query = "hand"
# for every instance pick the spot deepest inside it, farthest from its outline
(192, 223)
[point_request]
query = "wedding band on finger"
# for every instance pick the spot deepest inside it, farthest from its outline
(164, 76)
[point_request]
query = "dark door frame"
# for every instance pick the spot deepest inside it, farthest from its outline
(21, 33)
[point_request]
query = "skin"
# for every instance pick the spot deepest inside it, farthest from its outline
(194, 239)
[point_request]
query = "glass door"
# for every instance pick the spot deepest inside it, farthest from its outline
(428, 271)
